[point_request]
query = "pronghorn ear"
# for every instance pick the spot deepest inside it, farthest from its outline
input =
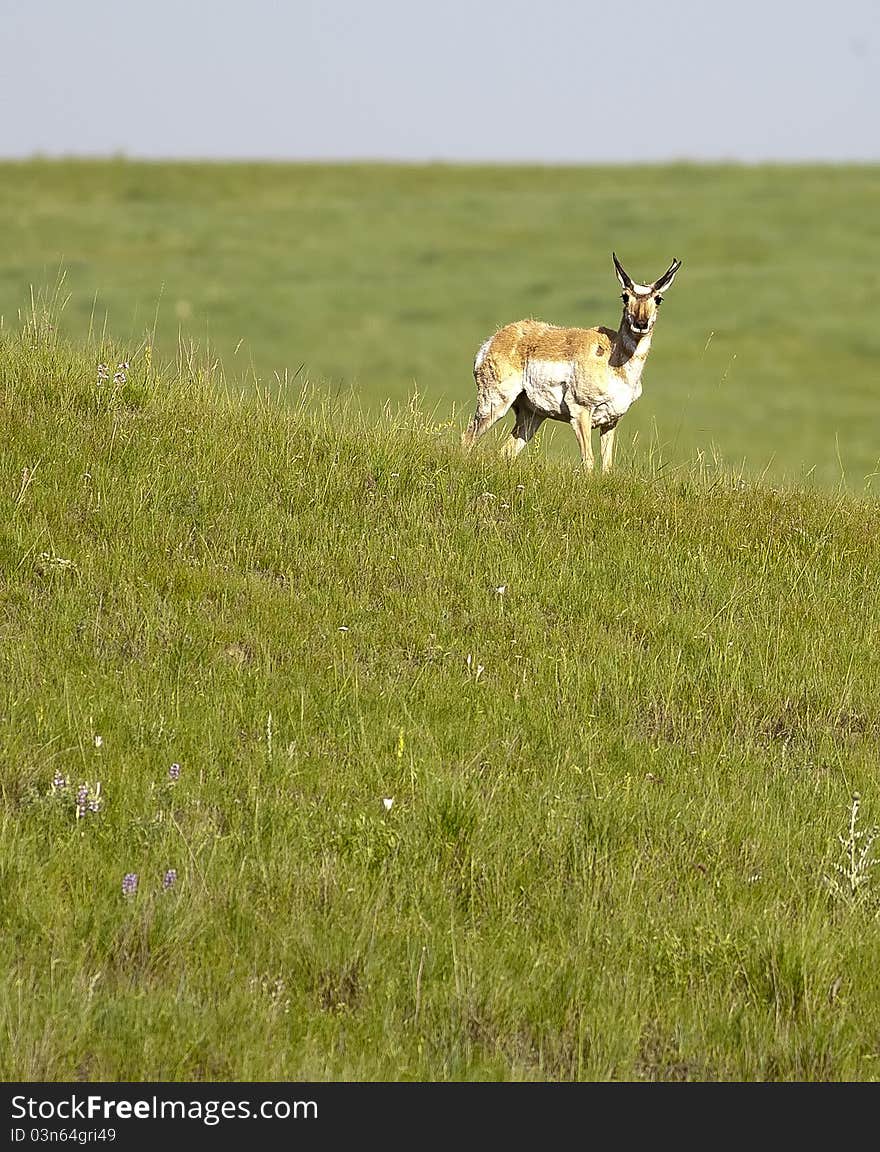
(625, 282)
(666, 279)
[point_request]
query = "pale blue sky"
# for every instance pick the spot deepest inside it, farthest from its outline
(556, 80)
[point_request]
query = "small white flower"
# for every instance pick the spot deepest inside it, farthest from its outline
(501, 589)
(388, 801)
(342, 629)
(99, 741)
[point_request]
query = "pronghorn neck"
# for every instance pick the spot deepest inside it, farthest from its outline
(629, 352)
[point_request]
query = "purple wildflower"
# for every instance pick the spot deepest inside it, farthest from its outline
(88, 799)
(129, 884)
(169, 879)
(59, 782)
(82, 800)
(103, 372)
(121, 373)
(174, 772)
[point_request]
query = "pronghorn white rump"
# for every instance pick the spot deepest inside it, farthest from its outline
(588, 377)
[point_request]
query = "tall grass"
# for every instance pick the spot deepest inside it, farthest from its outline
(484, 772)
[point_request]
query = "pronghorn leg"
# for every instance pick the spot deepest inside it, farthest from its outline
(492, 405)
(527, 424)
(582, 423)
(606, 445)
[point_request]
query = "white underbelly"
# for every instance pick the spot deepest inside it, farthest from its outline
(552, 390)
(614, 403)
(546, 384)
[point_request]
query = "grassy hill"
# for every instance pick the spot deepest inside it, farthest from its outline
(484, 772)
(379, 279)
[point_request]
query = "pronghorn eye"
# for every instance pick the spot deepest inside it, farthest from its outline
(658, 299)
(624, 296)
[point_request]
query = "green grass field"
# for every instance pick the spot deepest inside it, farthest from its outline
(386, 279)
(486, 772)
(619, 721)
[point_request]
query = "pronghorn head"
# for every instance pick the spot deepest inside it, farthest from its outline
(640, 301)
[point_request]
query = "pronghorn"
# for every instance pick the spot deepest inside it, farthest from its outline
(587, 376)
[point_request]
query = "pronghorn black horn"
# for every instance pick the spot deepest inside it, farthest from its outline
(621, 272)
(667, 277)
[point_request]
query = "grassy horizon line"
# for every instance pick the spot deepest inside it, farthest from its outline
(717, 163)
(379, 277)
